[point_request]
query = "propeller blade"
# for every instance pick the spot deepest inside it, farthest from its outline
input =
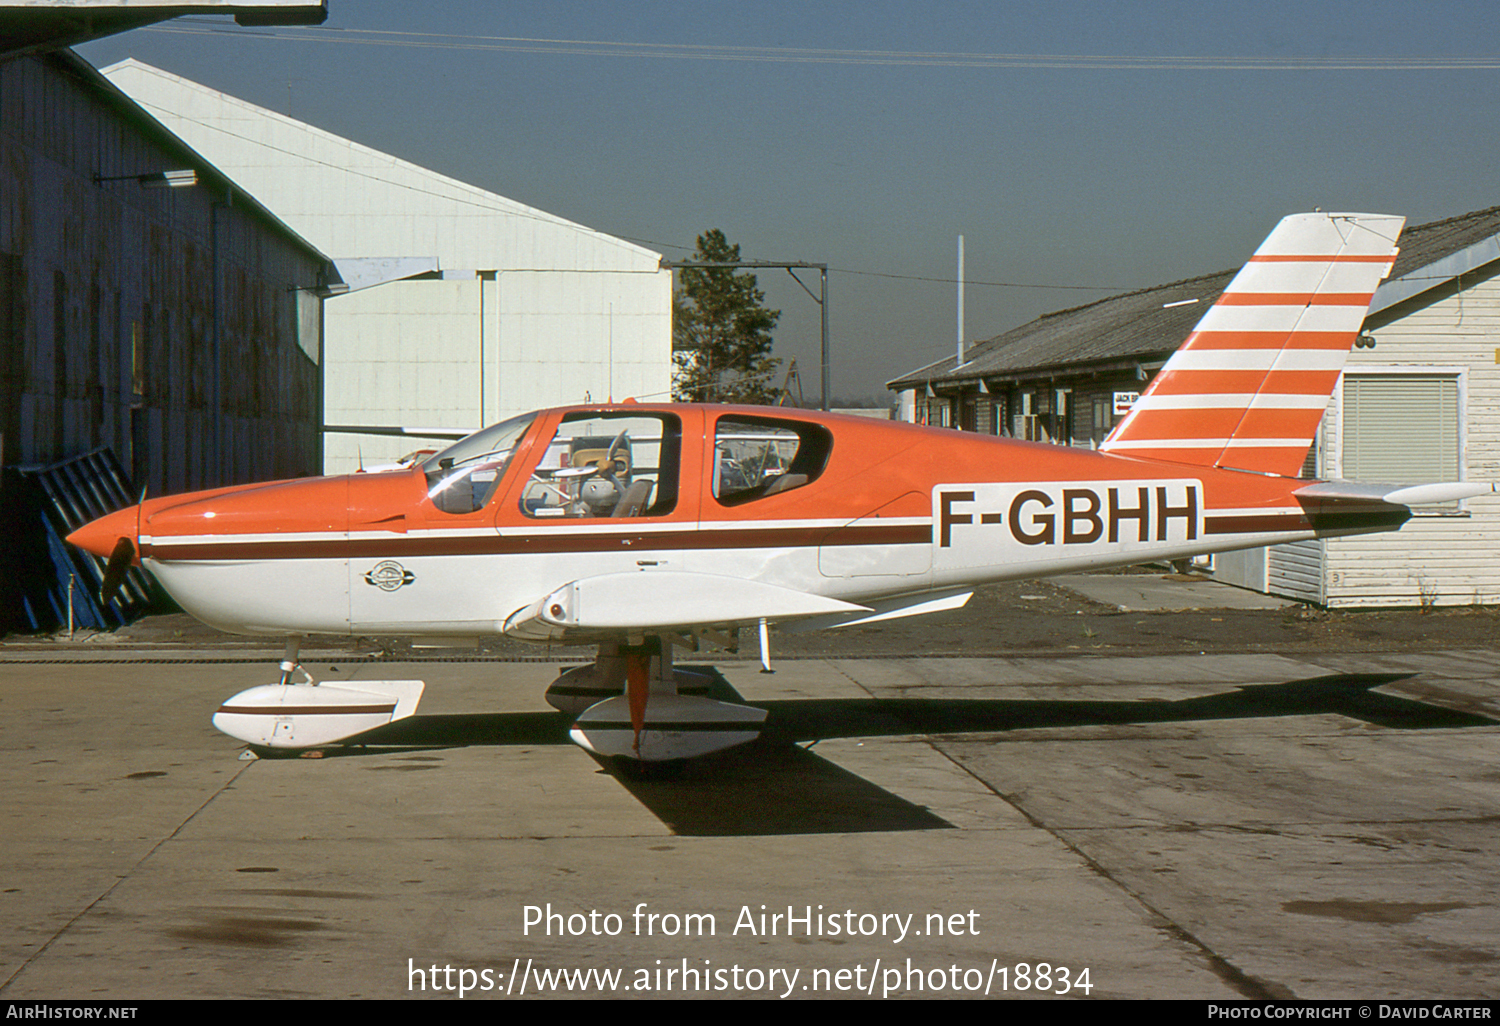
(115, 570)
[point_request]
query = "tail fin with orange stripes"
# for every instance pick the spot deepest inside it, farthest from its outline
(1249, 386)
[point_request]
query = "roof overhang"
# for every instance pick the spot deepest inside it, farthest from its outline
(355, 273)
(943, 376)
(1435, 274)
(36, 26)
(1142, 365)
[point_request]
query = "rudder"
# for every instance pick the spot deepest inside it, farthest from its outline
(1247, 389)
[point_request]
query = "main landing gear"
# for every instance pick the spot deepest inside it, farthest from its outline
(630, 703)
(663, 714)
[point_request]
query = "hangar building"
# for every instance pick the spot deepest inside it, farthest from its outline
(484, 307)
(1419, 401)
(160, 330)
(179, 326)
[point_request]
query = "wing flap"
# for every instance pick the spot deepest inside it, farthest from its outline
(633, 603)
(888, 609)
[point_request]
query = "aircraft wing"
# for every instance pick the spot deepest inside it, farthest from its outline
(623, 604)
(397, 431)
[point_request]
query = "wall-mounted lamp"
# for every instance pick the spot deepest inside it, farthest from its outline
(322, 291)
(156, 179)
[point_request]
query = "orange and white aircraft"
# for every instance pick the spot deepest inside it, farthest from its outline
(637, 528)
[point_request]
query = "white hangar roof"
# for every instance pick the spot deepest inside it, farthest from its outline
(354, 201)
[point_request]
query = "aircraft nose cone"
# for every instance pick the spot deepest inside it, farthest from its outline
(100, 536)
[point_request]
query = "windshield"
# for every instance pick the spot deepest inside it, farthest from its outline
(463, 477)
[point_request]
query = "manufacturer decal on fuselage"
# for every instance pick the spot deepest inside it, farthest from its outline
(1089, 515)
(389, 575)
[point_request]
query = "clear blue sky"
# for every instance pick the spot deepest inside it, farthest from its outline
(1073, 144)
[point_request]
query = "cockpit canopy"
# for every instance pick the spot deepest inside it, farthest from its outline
(463, 477)
(627, 463)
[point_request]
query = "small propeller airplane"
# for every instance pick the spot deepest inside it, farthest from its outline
(640, 528)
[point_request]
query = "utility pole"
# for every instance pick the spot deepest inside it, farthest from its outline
(821, 300)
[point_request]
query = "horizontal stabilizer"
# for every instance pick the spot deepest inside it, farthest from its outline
(659, 600)
(1395, 495)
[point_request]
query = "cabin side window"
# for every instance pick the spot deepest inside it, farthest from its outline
(607, 465)
(755, 458)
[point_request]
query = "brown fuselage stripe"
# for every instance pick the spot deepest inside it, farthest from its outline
(414, 545)
(1256, 524)
(306, 710)
(685, 726)
(753, 538)
(1310, 521)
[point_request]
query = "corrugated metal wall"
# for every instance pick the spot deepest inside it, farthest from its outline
(107, 300)
(1295, 571)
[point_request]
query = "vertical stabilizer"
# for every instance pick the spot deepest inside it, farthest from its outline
(1248, 387)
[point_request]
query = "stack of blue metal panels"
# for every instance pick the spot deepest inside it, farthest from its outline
(44, 504)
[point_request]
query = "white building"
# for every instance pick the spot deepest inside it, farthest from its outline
(484, 307)
(1419, 401)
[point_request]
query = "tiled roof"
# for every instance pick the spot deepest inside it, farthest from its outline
(1150, 324)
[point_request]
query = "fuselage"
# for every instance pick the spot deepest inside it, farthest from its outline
(842, 507)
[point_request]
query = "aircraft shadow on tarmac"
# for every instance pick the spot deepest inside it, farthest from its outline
(776, 786)
(1350, 695)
